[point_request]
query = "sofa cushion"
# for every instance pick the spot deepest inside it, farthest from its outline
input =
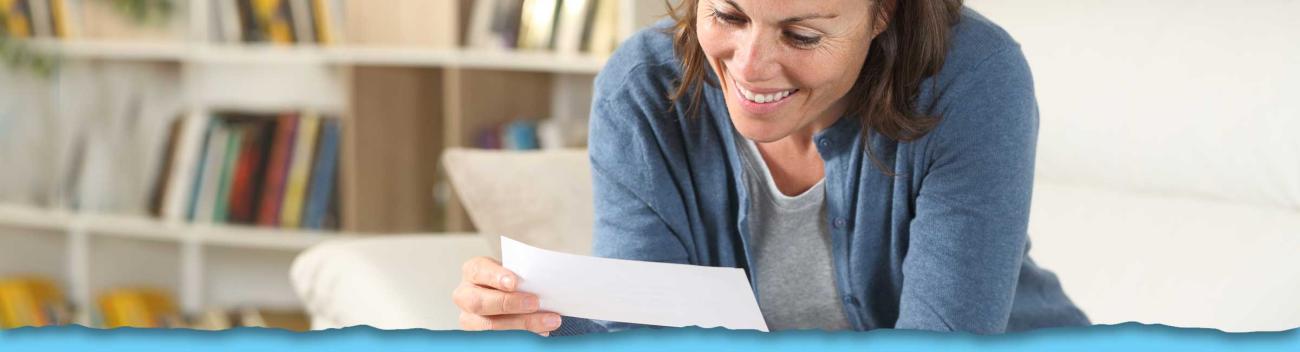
(542, 198)
(1173, 260)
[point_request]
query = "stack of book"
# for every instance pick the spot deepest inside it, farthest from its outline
(564, 26)
(34, 18)
(279, 21)
(523, 134)
(138, 308)
(85, 19)
(266, 170)
(37, 302)
(420, 23)
(31, 302)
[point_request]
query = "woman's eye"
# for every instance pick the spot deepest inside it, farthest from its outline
(801, 40)
(728, 18)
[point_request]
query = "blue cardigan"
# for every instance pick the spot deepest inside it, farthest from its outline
(941, 246)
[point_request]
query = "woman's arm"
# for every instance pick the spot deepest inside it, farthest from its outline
(631, 182)
(969, 234)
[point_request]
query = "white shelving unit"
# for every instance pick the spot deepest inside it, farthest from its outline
(226, 266)
(80, 231)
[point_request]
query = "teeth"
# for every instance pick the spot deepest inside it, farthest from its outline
(764, 98)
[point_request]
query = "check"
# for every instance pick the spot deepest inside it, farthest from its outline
(632, 291)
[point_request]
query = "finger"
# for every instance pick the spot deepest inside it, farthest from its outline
(488, 272)
(540, 323)
(486, 301)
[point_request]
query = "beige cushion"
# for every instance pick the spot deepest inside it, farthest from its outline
(542, 198)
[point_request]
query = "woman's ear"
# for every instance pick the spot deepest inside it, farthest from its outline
(884, 13)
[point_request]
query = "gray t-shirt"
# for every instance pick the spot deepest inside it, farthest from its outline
(791, 245)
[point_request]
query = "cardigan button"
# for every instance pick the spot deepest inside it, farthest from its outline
(853, 301)
(840, 223)
(824, 142)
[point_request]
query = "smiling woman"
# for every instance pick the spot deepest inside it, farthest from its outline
(868, 163)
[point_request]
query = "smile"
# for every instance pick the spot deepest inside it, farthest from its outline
(765, 98)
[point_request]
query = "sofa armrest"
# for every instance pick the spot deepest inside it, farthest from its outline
(388, 282)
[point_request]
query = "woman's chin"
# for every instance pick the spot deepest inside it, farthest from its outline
(758, 130)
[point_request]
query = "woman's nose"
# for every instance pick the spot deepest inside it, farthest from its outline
(756, 57)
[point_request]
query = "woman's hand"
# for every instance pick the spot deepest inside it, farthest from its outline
(488, 301)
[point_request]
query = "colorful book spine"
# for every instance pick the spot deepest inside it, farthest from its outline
(204, 200)
(323, 22)
(248, 167)
(322, 175)
(299, 171)
(221, 211)
(186, 166)
(277, 169)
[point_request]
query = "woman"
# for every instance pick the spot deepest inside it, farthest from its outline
(868, 162)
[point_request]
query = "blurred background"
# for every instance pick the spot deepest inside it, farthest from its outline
(163, 162)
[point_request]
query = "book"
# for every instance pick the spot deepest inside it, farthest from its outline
(478, 34)
(602, 38)
(575, 16)
(61, 18)
(138, 308)
(31, 301)
(494, 24)
(163, 173)
(221, 207)
(229, 23)
(275, 19)
(328, 19)
(185, 168)
(277, 167)
(42, 27)
(520, 135)
(322, 175)
(204, 200)
(248, 23)
(295, 188)
(249, 169)
(304, 26)
(17, 17)
(537, 24)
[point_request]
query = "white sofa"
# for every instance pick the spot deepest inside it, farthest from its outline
(1168, 186)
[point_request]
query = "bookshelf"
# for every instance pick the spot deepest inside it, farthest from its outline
(400, 106)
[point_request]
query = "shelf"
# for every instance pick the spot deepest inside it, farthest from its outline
(138, 227)
(506, 60)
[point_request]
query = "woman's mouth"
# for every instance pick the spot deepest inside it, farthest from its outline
(765, 98)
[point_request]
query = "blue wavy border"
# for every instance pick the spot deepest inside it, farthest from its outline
(1095, 338)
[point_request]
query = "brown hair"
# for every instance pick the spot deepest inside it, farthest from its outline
(911, 48)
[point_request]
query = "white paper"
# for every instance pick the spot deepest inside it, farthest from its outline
(631, 291)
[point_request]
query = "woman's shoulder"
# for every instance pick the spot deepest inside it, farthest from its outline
(644, 63)
(976, 39)
(985, 89)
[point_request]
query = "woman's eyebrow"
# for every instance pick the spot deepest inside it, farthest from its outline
(809, 17)
(790, 19)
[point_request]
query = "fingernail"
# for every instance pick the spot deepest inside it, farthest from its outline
(507, 282)
(552, 321)
(531, 304)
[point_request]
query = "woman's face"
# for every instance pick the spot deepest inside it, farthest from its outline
(785, 66)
